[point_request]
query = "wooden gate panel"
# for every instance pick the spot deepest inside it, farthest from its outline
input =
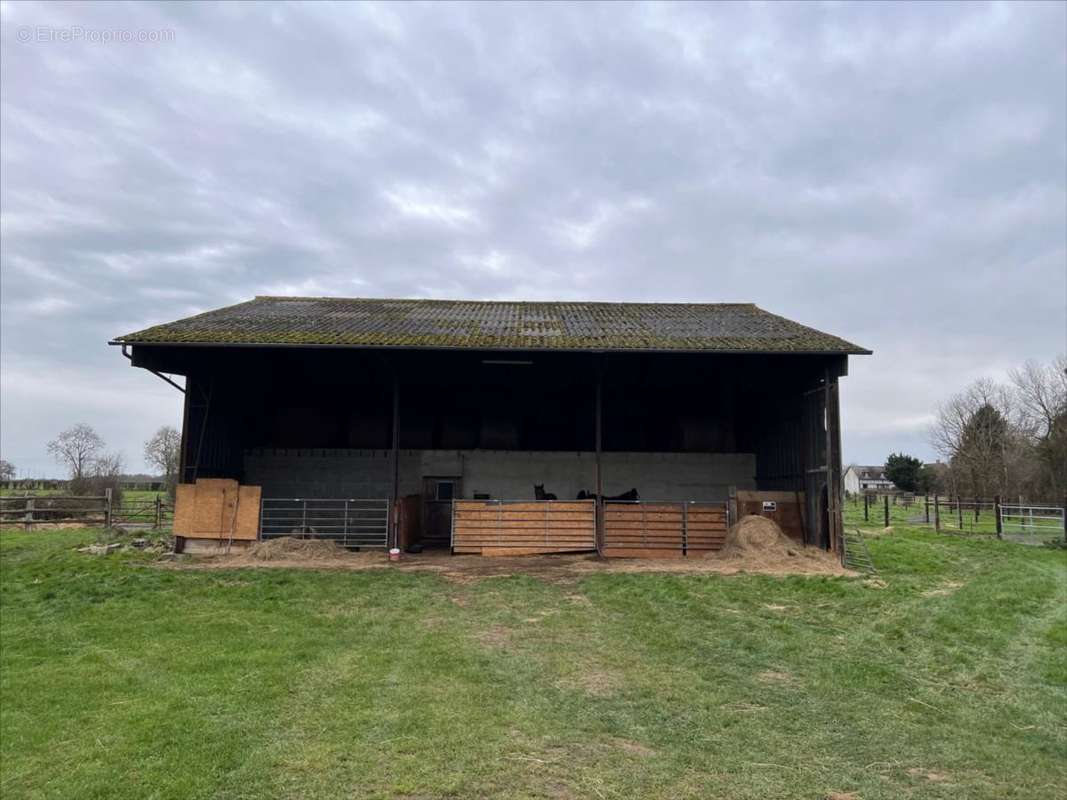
(496, 527)
(663, 530)
(644, 530)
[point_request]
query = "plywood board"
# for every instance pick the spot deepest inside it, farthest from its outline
(247, 527)
(207, 512)
(184, 509)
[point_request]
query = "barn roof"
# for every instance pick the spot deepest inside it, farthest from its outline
(494, 325)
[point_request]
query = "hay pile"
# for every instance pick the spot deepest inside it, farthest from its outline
(757, 544)
(753, 536)
(288, 548)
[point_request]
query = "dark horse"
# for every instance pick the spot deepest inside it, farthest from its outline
(541, 494)
(630, 495)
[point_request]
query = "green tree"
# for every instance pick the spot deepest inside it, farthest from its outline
(930, 479)
(904, 471)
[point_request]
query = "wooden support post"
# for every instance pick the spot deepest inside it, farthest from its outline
(393, 515)
(937, 514)
(976, 504)
(599, 504)
(28, 518)
(926, 506)
(959, 512)
(107, 507)
(159, 513)
(866, 507)
(887, 511)
(996, 514)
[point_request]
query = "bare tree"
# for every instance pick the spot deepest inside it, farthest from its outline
(1010, 440)
(163, 451)
(104, 475)
(77, 448)
(1041, 392)
(976, 432)
(7, 470)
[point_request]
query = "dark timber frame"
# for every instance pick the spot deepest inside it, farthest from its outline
(683, 402)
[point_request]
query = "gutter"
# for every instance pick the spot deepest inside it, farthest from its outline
(467, 349)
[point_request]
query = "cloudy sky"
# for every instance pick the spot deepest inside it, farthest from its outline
(895, 174)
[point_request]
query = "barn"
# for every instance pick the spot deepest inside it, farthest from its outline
(510, 427)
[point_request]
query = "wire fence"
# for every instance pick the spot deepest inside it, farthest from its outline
(1026, 522)
(91, 511)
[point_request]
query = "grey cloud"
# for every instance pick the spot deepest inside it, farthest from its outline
(894, 173)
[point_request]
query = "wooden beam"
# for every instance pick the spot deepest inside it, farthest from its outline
(396, 459)
(599, 441)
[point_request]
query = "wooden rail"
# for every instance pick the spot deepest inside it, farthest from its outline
(663, 530)
(512, 528)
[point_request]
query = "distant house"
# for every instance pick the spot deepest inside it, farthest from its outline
(866, 479)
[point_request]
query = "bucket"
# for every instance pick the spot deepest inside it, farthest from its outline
(394, 554)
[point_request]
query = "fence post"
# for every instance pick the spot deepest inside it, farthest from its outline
(1065, 517)
(959, 512)
(887, 511)
(28, 519)
(926, 506)
(937, 514)
(159, 513)
(996, 514)
(107, 507)
(866, 507)
(976, 504)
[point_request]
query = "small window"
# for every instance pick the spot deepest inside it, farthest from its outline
(446, 490)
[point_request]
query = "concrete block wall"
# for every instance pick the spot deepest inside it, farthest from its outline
(656, 476)
(328, 473)
(507, 475)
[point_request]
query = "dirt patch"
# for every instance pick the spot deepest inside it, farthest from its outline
(496, 636)
(632, 747)
(842, 796)
(289, 552)
(933, 777)
(947, 588)
(771, 676)
(286, 551)
(594, 682)
(743, 707)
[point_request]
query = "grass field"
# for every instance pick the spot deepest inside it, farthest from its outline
(121, 679)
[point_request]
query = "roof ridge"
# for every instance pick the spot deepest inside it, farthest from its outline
(732, 304)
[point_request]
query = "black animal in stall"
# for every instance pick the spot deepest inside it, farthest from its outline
(630, 495)
(541, 494)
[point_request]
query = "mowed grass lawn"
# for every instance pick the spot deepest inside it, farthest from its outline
(120, 679)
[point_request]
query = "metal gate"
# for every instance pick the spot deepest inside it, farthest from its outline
(662, 529)
(353, 523)
(1033, 519)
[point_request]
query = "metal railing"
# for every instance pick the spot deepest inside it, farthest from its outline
(350, 522)
(1032, 519)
